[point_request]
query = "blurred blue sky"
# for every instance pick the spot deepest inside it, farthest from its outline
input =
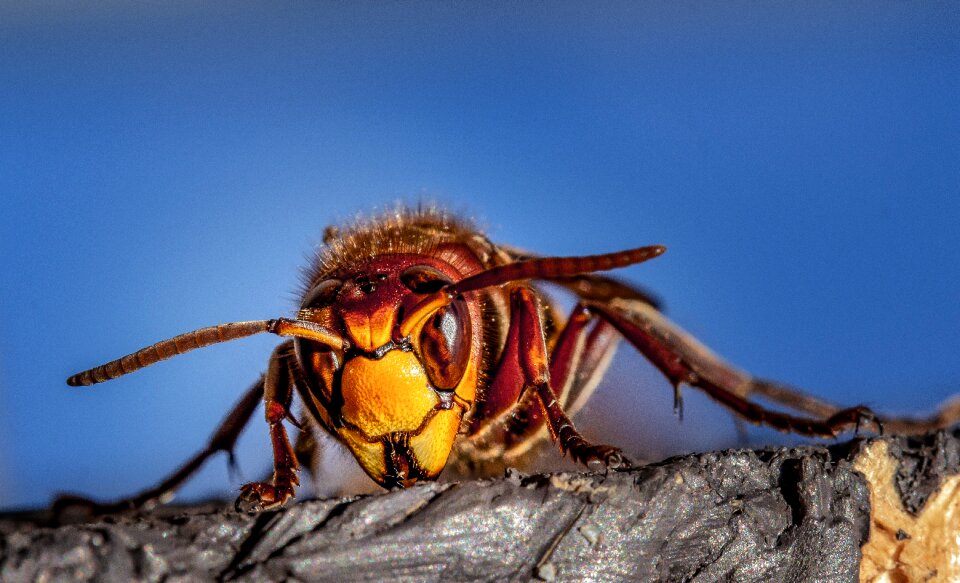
(168, 165)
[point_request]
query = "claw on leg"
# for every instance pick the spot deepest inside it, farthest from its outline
(605, 457)
(259, 496)
(862, 417)
(593, 456)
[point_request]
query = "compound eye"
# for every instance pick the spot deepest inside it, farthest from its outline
(324, 294)
(445, 345)
(423, 280)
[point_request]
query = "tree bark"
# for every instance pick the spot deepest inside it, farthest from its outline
(886, 506)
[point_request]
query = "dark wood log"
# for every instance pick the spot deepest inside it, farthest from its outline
(792, 514)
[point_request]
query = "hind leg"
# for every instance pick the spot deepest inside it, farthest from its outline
(223, 440)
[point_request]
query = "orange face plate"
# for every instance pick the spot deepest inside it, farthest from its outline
(386, 395)
(395, 422)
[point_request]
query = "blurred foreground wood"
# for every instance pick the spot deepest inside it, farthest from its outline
(881, 509)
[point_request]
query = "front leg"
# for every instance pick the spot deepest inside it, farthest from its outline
(535, 368)
(277, 395)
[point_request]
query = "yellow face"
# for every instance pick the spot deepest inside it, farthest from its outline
(397, 425)
(396, 402)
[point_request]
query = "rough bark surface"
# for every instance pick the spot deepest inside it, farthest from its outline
(796, 514)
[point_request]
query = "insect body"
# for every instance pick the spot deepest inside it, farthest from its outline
(419, 343)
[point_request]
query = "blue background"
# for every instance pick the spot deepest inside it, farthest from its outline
(169, 165)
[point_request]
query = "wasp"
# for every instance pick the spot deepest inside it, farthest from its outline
(419, 343)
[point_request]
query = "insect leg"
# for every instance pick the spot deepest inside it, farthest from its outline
(223, 439)
(579, 357)
(684, 360)
(947, 414)
(535, 368)
(592, 287)
(277, 395)
(586, 367)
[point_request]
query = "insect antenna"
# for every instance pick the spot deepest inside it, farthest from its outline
(537, 268)
(205, 337)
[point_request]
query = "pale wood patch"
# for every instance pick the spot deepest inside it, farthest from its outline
(928, 545)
